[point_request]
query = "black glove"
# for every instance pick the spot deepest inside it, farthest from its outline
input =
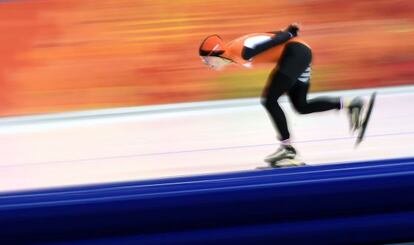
(293, 29)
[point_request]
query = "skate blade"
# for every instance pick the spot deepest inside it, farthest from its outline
(287, 163)
(365, 121)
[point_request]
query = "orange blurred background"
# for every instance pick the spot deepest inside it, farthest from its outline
(65, 55)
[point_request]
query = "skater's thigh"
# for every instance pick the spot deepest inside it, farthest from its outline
(278, 84)
(295, 61)
(298, 93)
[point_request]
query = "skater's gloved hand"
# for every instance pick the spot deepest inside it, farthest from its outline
(293, 29)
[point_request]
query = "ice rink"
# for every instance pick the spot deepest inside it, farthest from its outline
(190, 139)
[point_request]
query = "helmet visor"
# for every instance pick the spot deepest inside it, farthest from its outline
(215, 62)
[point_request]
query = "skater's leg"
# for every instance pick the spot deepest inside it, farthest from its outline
(298, 96)
(277, 85)
(294, 62)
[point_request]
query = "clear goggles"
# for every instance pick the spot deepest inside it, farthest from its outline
(215, 62)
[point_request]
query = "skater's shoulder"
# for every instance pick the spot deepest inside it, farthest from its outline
(246, 37)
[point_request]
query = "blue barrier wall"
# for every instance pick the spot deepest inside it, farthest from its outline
(354, 203)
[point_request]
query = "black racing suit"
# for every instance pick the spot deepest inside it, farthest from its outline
(291, 76)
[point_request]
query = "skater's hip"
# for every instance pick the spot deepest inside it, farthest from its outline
(296, 62)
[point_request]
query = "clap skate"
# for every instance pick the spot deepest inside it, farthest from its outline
(285, 156)
(355, 109)
(365, 119)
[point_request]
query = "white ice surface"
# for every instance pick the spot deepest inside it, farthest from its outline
(189, 139)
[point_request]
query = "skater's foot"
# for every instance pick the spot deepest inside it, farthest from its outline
(284, 152)
(355, 108)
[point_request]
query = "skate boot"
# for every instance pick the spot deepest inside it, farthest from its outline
(355, 111)
(284, 152)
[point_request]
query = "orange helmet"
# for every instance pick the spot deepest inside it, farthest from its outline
(213, 45)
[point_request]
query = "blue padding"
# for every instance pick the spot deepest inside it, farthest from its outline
(375, 229)
(281, 197)
(203, 183)
(210, 177)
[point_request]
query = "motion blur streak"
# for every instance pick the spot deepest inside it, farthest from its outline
(63, 55)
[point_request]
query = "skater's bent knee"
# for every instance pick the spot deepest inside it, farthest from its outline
(302, 110)
(300, 107)
(263, 101)
(269, 103)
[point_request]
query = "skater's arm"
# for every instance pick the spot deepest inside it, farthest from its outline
(281, 37)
